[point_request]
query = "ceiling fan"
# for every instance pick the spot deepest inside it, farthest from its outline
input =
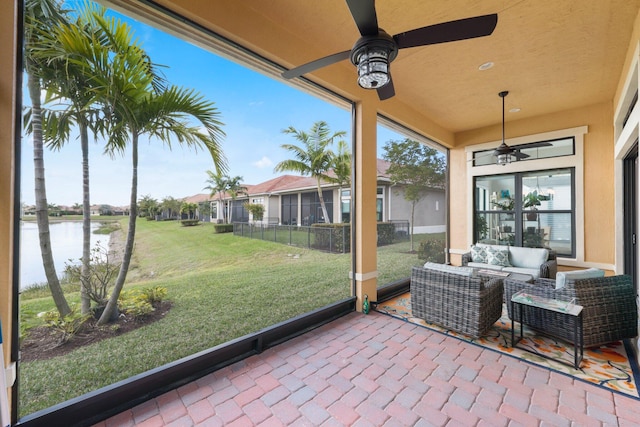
(504, 152)
(376, 49)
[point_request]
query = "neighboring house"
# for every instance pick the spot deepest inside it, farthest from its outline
(203, 201)
(293, 200)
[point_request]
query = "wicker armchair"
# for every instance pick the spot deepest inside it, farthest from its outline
(610, 312)
(469, 305)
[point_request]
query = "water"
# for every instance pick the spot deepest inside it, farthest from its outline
(66, 243)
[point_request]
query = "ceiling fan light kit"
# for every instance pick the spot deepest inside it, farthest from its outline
(372, 57)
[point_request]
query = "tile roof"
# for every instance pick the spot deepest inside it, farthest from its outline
(285, 183)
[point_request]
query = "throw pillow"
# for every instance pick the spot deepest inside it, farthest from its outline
(589, 273)
(479, 254)
(498, 257)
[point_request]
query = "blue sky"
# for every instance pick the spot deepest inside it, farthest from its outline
(254, 109)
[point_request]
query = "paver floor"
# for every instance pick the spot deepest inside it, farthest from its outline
(374, 370)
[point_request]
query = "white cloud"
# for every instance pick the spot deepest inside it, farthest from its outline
(264, 162)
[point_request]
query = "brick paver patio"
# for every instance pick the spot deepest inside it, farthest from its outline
(374, 370)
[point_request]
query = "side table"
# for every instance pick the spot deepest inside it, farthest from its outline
(526, 301)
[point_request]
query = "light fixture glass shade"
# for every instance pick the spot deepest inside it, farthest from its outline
(373, 68)
(504, 159)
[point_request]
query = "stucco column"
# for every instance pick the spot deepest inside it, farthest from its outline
(8, 78)
(365, 184)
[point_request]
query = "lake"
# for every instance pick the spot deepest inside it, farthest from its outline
(66, 243)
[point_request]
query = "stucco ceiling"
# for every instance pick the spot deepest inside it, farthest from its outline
(551, 55)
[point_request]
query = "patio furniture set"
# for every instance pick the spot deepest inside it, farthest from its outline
(582, 307)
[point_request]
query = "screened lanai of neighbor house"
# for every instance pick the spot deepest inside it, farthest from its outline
(571, 69)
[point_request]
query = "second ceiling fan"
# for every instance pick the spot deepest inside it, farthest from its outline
(376, 49)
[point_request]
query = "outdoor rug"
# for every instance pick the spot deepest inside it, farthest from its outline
(613, 366)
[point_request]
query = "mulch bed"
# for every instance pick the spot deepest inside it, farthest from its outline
(43, 342)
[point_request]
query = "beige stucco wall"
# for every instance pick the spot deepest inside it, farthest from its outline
(7, 169)
(598, 177)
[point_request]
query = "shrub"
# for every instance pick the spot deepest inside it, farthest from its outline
(139, 304)
(154, 295)
(386, 233)
(332, 237)
(66, 326)
(223, 228)
(102, 273)
(432, 250)
(190, 222)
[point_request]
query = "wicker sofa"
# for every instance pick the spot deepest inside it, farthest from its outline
(456, 298)
(610, 312)
(535, 262)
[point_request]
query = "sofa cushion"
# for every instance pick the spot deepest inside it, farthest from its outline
(563, 276)
(527, 257)
(533, 272)
(482, 266)
(497, 256)
(479, 254)
(462, 271)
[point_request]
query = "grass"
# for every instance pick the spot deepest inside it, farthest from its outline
(222, 287)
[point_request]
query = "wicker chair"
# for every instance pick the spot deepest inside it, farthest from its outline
(469, 305)
(610, 312)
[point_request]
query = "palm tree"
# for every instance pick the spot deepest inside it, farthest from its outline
(171, 205)
(341, 167)
(40, 17)
(234, 189)
(163, 115)
(314, 158)
(217, 185)
(148, 207)
(223, 185)
(75, 45)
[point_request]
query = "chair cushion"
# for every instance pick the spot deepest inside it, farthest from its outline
(479, 254)
(563, 276)
(528, 257)
(498, 256)
(462, 271)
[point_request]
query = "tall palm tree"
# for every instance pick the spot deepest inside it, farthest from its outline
(341, 167)
(217, 185)
(75, 45)
(314, 157)
(164, 116)
(40, 17)
(234, 189)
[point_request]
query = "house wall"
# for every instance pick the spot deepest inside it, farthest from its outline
(625, 138)
(430, 211)
(598, 182)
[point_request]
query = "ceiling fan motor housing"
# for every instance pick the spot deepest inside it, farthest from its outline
(372, 55)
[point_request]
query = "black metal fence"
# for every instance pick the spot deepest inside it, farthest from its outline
(334, 238)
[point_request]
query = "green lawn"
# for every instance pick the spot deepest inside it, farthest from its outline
(222, 287)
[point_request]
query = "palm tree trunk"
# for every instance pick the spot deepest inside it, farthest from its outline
(42, 211)
(324, 207)
(111, 310)
(86, 221)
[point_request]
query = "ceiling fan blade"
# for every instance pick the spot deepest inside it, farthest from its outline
(532, 145)
(364, 14)
(386, 91)
(462, 29)
(314, 65)
(519, 155)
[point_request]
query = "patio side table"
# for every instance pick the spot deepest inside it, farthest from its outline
(526, 301)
